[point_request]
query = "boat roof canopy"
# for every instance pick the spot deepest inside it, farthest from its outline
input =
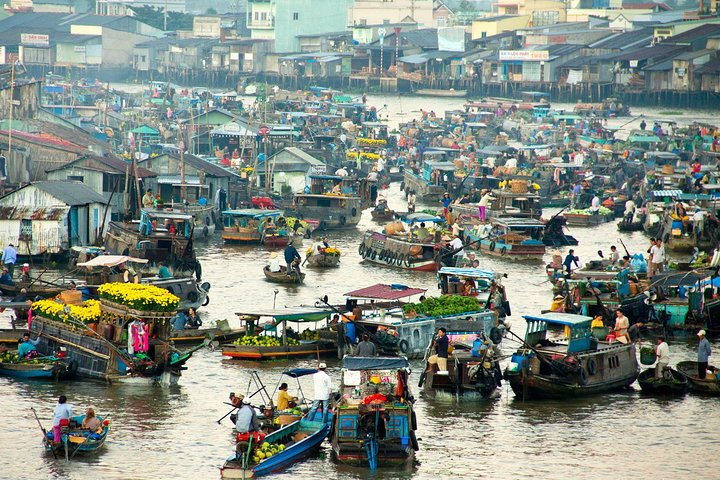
(556, 318)
(165, 214)
(300, 372)
(468, 272)
(374, 363)
(421, 217)
(512, 222)
(111, 261)
(294, 314)
(253, 212)
(386, 292)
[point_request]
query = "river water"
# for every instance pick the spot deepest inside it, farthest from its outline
(172, 433)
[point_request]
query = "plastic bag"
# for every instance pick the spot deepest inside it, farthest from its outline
(638, 263)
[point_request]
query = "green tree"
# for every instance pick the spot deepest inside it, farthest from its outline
(211, 11)
(155, 17)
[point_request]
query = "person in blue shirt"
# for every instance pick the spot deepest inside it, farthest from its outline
(570, 258)
(9, 258)
(164, 271)
(26, 345)
(292, 258)
(179, 321)
(704, 352)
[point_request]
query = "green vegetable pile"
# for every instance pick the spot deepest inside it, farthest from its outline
(602, 211)
(444, 305)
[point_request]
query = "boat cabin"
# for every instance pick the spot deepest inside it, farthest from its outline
(246, 225)
(510, 204)
(452, 280)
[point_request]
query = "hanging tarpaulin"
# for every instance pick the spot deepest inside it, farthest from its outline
(574, 77)
(451, 39)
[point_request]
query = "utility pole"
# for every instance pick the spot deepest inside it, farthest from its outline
(165, 16)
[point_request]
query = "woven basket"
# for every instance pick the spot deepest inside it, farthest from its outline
(668, 169)
(519, 186)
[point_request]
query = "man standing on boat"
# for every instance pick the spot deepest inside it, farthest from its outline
(9, 259)
(704, 352)
(570, 258)
(663, 356)
(292, 258)
(323, 388)
(441, 352)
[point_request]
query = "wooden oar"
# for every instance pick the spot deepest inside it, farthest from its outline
(85, 439)
(228, 413)
(47, 441)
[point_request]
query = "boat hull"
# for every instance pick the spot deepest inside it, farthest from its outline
(282, 276)
(259, 352)
(33, 371)
(323, 261)
(579, 220)
(677, 385)
(708, 385)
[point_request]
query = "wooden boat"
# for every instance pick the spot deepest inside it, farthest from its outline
(374, 429)
(436, 92)
(283, 276)
(671, 383)
(397, 247)
(274, 345)
(41, 288)
(709, 385)
(76, 440)
(299, 440)
(37, 368)
(471, 369)
(587, 219)
(386, 215)
(323, 260)
(245, 226)
(330, 210)
(580, 365)
(624, 226)
(516, 238)
(221, 332)
(150, 239)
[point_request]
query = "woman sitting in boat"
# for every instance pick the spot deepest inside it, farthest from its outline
(91, 422)
(469, 288)
(193, 321)
(284, 399)
(680, 214)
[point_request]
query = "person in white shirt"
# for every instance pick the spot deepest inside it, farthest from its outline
(657, 257)
(663, 356)
(274, 262)
(614, 255)
(457, 247)
(629, 211)
(323, 388)
(63, 411)
(511, 162)
(595, 205)
(698, 222)
(483, 204)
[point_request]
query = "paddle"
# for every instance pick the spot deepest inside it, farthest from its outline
(85, 439)
(44, 432)
(228, 413)
(425, 360)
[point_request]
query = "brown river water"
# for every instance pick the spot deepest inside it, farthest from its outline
(161, 433)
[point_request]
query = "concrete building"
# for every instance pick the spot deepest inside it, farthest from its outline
(51, 217)
(490, 26)
(541, 12)
(372, 12)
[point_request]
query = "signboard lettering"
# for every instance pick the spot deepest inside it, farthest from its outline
(524, 55)
(34, 39)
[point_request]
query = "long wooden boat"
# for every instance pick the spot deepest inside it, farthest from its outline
(282, 276)
(245, 226)
(33, 289)
(76, 440)
(267, 352)
(382, 215)
(709, 385)
(298, 440)
(518, 238)
(374, 429)
(587, 220)
(189, 336)
(322, 260)
(436, 92)
(581, 365)
(671, 383)
(37, 368)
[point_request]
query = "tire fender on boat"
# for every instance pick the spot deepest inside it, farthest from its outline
(343, 220)
(193, 296)
(591, 366)
(503, 250)
(495, 335)
(373, 254)
(206, 231)
(407, 260)
(404, 346)
(354, 212)
(207, 300)
(361, 249)
(323, 225)
(582, 375)
(492, 246)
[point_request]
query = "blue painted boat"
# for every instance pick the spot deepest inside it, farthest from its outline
(77, 440)
(298, 439)
(38, 368)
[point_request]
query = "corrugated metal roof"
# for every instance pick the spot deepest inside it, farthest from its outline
(386, 292)
(70, 193)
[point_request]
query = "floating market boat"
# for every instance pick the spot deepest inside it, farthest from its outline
(399, 245)
(436, 92)
(709, 385)
(248, 226)
(36, 368)
(329, 258)
(33, 288)
(331, 210)
(283, 276)
(152, 239)
(671, 383)
(272, 344)
(221, 332)
(94, 335)
(102, 269)
(576, 365)
(585, 218)
(374, 423)
(75, 439)
(516, 238)
(280, 449)
(436, 177)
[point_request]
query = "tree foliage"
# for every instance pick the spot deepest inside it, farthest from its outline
(155, 17)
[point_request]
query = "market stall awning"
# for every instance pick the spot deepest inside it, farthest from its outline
(386, 292)
(111, 261)
(293, 314)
